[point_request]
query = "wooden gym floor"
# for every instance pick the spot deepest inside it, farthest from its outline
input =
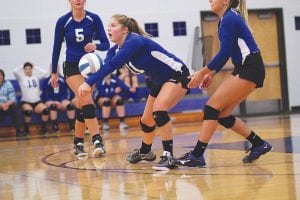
(43, 167)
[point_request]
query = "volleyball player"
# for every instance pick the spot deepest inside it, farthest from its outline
(56, 99)
(169, 77)
(80, 29)
(237, 43)
(29, 77)
(109, 97)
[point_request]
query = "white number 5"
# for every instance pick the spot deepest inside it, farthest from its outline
(79, 35)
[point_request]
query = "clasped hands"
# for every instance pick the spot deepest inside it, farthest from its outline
(202, 79)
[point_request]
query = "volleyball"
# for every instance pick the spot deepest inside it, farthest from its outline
(89, 64)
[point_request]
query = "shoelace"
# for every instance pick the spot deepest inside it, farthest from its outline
(185, 155)
(163, 159)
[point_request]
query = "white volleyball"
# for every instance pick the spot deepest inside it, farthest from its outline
(89, 64)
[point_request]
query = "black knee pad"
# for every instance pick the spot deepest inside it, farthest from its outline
(70, 107)
(89, 111)
(210, 113)
(106, 103)
(120, 102)
(53, 106)
(27, 113)
(161, 118)
(228, 121)
(145, 128)
(45, 111)
(79, 115)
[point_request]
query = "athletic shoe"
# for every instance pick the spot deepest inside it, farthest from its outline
(166, 162)
(105, 126)
(79, 150)
(55, 128)
(26, 131)
(99, 148)
(256, 152)
(43, 130)
(123, 125)
(189, 160)
(20, 134)
(137, 156)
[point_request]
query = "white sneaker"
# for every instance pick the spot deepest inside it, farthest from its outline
(105, 126)
(123, 125)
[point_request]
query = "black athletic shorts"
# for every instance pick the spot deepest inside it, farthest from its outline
(253, 69)
(178, 77)
(70, 69)
(33, 105)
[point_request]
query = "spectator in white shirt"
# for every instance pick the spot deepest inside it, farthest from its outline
(29, 77)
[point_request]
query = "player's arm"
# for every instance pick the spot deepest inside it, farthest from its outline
(58, 40)
(130, 47)
(101, 35)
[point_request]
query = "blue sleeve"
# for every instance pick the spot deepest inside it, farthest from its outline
(227, 35)
(101, 35)
(100, 89)
(130, 47)
(44, 88)
(122, 84)
(110, 54)
(63, 90)
(58, 39)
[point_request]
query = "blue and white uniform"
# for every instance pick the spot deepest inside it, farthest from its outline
(49, 93)
(141, 55)
(106, 89)
(236, 41)
(77, 35)
(30, 85)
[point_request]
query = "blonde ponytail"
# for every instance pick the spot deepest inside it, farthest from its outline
(244, 11)
(131, 23)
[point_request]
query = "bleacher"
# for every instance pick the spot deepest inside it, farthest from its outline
(192, 102)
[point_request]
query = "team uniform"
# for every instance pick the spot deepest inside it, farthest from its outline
(50, 96)
(49, 93)
(107, 91)
(77, 35)
(31, 91)
(30, 86)
(142, 55)
(237, 43)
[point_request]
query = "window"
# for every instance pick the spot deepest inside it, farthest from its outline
(179, 28)
(33, 36)
(4, 37)
(297, 23)
(152, 28)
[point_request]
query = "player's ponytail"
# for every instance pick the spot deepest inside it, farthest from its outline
(131, 23)
(242, 8)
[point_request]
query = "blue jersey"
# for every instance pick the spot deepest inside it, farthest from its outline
(77, 35)
(236, 41)
(50, 94)
(140, 54)
(106, 89)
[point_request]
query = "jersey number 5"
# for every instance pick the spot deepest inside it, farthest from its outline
(79, 34)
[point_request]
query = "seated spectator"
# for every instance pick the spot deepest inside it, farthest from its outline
(108, 97)
(56, 99)
(8, 105)
(29, 77)
(130, 79)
